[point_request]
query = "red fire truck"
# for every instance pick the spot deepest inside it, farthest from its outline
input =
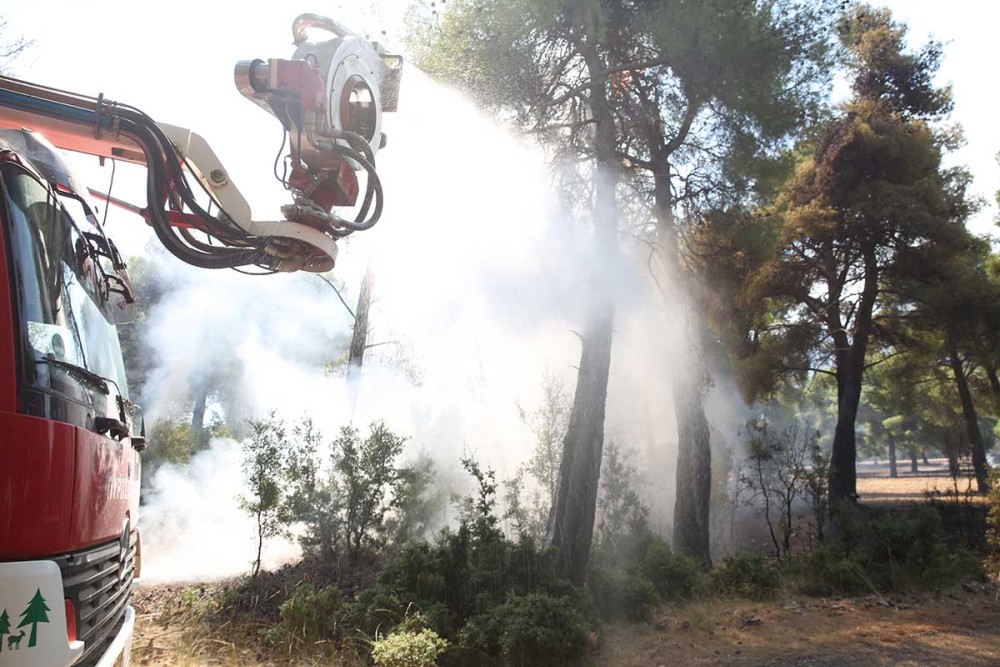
(70, 437)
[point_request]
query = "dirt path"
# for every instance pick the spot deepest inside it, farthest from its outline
(959, 627)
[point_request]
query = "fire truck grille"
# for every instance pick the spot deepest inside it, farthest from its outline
(98, 582)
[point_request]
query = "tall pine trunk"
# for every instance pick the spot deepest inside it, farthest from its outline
(694, 472)
(843, 458)
(694, 452)
(850, 355)
(969, 416)
(571, 530)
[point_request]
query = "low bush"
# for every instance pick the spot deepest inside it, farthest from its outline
(408, 649)
(743, 575)
(620, 593)
(905, 551)
(674, 575)
(886, 551)
(309, 615)
(530, 629)
(993, 523)
(828, 571)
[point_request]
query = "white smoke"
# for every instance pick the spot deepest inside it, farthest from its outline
(477, 280)
(192, 526)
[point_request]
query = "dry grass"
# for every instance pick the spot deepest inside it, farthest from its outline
(957, 627)
(876, 487)
(175, 628)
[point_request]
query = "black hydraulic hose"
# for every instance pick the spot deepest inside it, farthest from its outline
(373, 190)
(164, 169)
(176, 169)
(219, 258)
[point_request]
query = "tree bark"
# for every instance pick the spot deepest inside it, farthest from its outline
(843, 486)
(893, 471)
(198, 436)
(359, 335)
(692, 504)
(951, 450)
(969, 415)
(694, 473)
(843, 458)
(914, 468)
(991, 374)
(572, 527)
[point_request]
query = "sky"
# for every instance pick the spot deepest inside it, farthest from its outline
(176, 65)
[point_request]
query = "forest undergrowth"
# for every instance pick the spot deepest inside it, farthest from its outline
(371, 589)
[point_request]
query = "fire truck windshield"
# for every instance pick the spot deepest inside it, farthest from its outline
(60, 296)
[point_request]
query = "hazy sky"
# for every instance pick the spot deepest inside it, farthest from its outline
(175, 60)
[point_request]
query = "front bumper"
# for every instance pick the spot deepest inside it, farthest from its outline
(121, 646)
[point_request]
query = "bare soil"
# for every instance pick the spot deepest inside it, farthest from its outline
(956, 627)
(875, 487)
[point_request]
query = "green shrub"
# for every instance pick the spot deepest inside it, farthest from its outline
(621, 593)
(907, 551)
(408, 649)
(829, 571)
(961, 566)
(744, 575)
(993, 523)
(886, 551)
(310, 615)
(530, 629)
(674, 575)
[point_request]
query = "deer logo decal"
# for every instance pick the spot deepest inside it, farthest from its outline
(14, 641)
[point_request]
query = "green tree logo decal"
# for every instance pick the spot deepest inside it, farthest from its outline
(34, 614)
(4, 626)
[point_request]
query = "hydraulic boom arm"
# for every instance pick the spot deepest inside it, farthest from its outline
(329, 97)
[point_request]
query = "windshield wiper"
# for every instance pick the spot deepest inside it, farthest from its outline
(78, 372)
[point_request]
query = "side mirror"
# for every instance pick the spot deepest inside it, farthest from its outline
(139, 441)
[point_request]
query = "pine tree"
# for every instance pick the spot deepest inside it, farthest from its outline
(4, 626)
(34, 614)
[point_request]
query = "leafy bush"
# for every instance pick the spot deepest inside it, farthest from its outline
(744, 575)
(530, 629)
(309, 615)
(471, 572)
(908, 551)
(621, 593)
(674, 575)
(829, 571)
(408, 649)
(887, 551)
(993, 523)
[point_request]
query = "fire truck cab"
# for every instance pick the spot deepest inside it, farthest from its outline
(69, 483)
